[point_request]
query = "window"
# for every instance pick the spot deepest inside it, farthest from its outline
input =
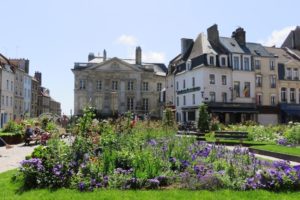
(211, 60)
(273, 81)
(184, 100)
(212, 79)
(183, 84)
(292, 95)
(194, 99)
(236, 63)
(189, 65)
(7, 84)
(99, 85)
(259, 99)
(257, 64)
(145, 104)
(273, 100)
(11, 101)
(236, 88)
(296, 74)
(6, 100)
(130, 85)
(247, 64)
(258, 81)
(159, 87)
(272, 65)
(2, 101)
(224, 80)
(224, 97)
(223, 61)
(283, 94)
(11, 86)
(288, 73)
(212, 96)
(130, 103)
(177, 85)
(246, 90)
(81, 84)
(177, 101)
(114, 85)
(193, 82)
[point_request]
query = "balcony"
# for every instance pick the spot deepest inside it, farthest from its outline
(289, 78)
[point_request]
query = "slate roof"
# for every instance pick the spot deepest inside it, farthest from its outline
(257, 49)
(231, 45)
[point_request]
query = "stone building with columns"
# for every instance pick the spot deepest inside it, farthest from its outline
(114, 85)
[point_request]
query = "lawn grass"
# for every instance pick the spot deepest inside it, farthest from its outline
(9, 191)
(295, 151)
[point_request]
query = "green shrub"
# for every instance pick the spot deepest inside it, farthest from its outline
(13, 127)
(204, 120)
(292, 134)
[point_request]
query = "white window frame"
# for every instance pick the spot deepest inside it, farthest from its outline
(226, 61)
(239, 62)
(214, 59)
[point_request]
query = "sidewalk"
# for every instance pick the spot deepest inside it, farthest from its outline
(11, 158)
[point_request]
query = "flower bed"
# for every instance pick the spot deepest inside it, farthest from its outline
(126, 155)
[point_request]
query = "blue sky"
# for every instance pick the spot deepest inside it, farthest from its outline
(53, 34)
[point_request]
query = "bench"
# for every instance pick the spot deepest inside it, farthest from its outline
(231, 135)
(36, 139)
(199, 135)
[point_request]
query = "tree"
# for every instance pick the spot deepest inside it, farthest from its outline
(203, 121)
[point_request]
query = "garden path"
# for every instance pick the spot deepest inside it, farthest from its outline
(265, 157)
(11, 158)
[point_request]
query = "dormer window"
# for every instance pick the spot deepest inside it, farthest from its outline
(189, 65)
(211, 60)
(223, 61)
(236, 62)
(247, 64)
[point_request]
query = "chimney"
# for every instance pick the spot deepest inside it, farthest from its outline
(240, 36)
(91, 56)
(138, 55)
(185, 44)
(38, 77)
(104, 55)
(213, 34)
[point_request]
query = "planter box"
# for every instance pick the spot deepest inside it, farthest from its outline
(12, 139)
(275, 154)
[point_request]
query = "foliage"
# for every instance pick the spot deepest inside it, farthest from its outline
(125, 155)
(204, 120)
(12, 126)
(169, 119)
(292, 134)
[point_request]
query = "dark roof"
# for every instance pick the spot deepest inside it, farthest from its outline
(257, 49)
(231, 45)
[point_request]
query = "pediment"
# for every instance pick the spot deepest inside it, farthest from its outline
(114, 64)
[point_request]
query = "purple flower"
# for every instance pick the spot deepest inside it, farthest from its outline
(34, 163)
(153, 183)
(152, 142)
(172, 159)
(81, 186)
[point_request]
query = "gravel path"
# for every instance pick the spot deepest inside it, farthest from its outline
(11, 158)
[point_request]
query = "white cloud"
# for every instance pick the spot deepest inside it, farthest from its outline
(127, 40)
(153, 56)
(277, 37)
